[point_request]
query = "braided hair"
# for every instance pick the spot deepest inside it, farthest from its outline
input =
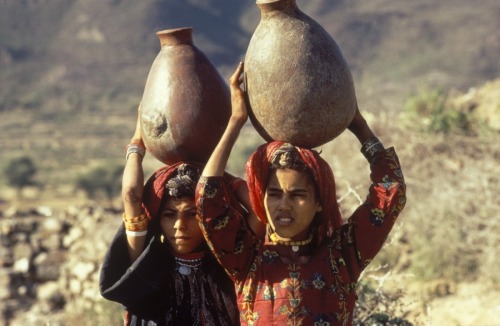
(183, 182)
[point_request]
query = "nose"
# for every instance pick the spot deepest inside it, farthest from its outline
(180, 224)
(284, 204)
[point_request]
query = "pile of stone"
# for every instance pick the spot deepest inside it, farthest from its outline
(50, 262)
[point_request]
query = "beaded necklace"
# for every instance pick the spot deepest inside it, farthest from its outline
(189, 262)
(294, 244)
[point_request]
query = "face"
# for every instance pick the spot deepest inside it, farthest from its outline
(180, 227)
(290, 203)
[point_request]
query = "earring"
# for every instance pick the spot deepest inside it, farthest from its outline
(162, 238)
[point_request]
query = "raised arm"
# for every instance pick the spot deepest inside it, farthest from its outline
(217, 162)
(370, 224)
(359, 127)
(132, 190)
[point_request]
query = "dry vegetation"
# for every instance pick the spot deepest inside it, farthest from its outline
(68, 100)
(440, 264)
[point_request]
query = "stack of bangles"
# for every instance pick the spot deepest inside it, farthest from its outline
(136, 147)
(136, 226)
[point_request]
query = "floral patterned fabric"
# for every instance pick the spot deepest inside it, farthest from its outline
(320, 291)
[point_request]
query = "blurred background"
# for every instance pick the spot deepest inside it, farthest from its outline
(427, 76)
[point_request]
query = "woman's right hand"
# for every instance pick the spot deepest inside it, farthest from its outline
(238, 102)
(137, 138)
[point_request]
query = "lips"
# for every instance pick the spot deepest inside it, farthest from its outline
(283, 220)
(181, 238)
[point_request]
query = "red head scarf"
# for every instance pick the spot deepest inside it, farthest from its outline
(154, 189)
(258, 170)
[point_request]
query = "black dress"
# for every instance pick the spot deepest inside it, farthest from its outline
(154, 292)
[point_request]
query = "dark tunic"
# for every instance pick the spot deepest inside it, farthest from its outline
(153, 292)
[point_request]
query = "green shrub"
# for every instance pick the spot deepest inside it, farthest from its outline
(433, 113)
(99, 180)
(20, 172)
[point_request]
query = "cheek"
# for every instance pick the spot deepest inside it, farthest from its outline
(167, 224)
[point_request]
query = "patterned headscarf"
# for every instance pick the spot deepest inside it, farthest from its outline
(169, 178)
(258, 169)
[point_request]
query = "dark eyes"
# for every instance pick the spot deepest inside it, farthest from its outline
(277, 194)
(168, 214)
(173, 214)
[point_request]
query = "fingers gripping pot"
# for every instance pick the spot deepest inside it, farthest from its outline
(300, 88)
(186, 103)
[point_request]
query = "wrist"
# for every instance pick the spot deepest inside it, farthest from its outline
(135, 147)
(237, 122)
(135, 225)
(371, 148)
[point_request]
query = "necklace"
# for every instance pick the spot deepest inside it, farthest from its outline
(186, 265)
(295, 244)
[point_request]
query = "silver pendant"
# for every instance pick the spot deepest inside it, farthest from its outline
(295, 248)
(184, 270)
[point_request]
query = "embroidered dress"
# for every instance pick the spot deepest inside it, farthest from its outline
(321, 291)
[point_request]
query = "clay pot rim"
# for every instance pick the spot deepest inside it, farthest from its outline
(173, 30)
(175, 36)
(269, 1)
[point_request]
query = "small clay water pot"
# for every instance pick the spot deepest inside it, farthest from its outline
(186, 103)
(300, 88)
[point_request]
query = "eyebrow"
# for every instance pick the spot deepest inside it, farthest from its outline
(294, 190)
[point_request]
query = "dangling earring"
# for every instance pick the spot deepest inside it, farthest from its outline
(162, 238)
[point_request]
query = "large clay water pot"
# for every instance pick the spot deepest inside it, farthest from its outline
(186, 103)
(300, 88)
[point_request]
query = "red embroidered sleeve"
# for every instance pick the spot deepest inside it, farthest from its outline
(367, 229)
(224, 226)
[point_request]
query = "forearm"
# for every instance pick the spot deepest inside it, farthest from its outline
(363, 132)
(132, 189)
(217, 162)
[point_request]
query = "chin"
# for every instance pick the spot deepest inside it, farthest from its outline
(284, 235)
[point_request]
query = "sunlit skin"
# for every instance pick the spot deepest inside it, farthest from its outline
(180, 227)
(291, 204)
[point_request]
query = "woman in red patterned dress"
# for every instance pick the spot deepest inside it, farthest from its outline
(305, 269)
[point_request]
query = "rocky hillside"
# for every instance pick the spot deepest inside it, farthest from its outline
(73, 71)
(438, 267)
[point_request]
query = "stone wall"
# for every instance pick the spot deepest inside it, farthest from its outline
(50, 265)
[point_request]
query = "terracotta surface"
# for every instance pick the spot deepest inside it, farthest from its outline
(300, 88)
(186, 103)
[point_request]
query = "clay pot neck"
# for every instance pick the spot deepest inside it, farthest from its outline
(176, 36)
(269, 6)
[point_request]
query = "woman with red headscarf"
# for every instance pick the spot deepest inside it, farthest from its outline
(158, 265)
(305, 269)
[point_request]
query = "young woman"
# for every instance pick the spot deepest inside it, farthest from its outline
(305, 270)
(158, 265)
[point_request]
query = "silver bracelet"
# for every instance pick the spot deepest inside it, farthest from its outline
(136, 233)
(371, 147)
(134, 148)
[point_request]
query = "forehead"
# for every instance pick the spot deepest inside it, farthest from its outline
(180, 203)
(290, 179)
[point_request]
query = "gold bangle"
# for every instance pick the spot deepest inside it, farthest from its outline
(136, 219)
(139, 223)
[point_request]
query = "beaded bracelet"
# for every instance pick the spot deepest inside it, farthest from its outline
(371, 147)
